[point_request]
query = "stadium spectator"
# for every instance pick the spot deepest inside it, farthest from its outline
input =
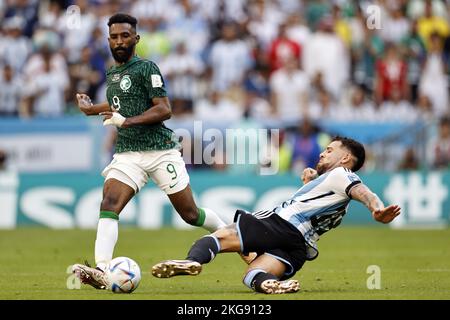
(99, 45)
(282, 48)
(15, 47)
(27, 10)
(277, 155)
(10, 93)
(158, 10)
(327, 54)
(100, 59)
(188, 24)
(218, 13)
(51, 14)
(217, 108)
(85, 76)
(356, 107)
(414, 51)
(46, 78)
(257, 78)
(264, 19)
(439, 146)
(305, 146)
(73, 39)
(357, 25)
(430, 23)
(396, 26)
(222, 10)
(315, 11)
(416, 8)
(434, 80)
(289, 91)
(397, 109)
(391, 81)
(244, 153)
(182, 68)
(365, 55)
(425, 109)
(103, 10)
(256, 107)
(154, 43)
(341, 25)
(257, 81)
(322, 107)
(229, 59)
(409, 161)
(297, 30)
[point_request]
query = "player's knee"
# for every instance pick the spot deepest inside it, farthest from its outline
(224, 233)
(228, 239)
(111, 204)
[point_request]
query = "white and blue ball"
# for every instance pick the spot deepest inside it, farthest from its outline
(123, 275)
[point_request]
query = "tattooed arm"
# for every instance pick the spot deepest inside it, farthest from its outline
(380, 213)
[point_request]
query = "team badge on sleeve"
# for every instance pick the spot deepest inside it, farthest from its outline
(353, 177)
(115, 77)
(156, 81)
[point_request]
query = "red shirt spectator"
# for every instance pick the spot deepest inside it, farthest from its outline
(281, 49)
(391, 81)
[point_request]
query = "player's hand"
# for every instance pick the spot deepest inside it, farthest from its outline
(113, 118)
(308, 175)
(387, 214)
(84, 103)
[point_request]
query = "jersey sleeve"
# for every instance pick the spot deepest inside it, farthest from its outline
(343, 180)
(154, 81)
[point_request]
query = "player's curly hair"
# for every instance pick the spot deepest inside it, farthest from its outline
(355, 148)
(123, 18)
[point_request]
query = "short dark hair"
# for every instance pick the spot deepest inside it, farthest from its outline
(355, 148)
(123, 18)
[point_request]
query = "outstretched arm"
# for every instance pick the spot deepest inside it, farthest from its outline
(85, 105)
(380, 213)
(159, 112)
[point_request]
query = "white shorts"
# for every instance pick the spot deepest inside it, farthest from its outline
(165, 167)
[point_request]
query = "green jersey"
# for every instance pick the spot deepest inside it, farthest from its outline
(130, 89)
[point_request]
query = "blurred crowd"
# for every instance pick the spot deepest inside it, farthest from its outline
(227, 60)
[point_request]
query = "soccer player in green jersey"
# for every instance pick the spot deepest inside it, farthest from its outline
(137, 105)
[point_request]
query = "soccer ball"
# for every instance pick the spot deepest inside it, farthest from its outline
(123, 275)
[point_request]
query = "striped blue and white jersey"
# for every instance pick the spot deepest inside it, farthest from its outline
(319, 205)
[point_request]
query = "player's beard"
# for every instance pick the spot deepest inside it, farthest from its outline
(321, 168)
(122, 54)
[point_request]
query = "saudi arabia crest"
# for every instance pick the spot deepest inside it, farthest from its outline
(125, 83)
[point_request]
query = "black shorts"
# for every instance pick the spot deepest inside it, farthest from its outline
(270, 234)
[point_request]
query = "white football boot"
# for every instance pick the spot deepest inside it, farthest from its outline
(91, 276)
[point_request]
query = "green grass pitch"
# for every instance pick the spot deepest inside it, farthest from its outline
(413, 265)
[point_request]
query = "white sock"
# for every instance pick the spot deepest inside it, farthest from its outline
(107, 235)
(212, 221)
